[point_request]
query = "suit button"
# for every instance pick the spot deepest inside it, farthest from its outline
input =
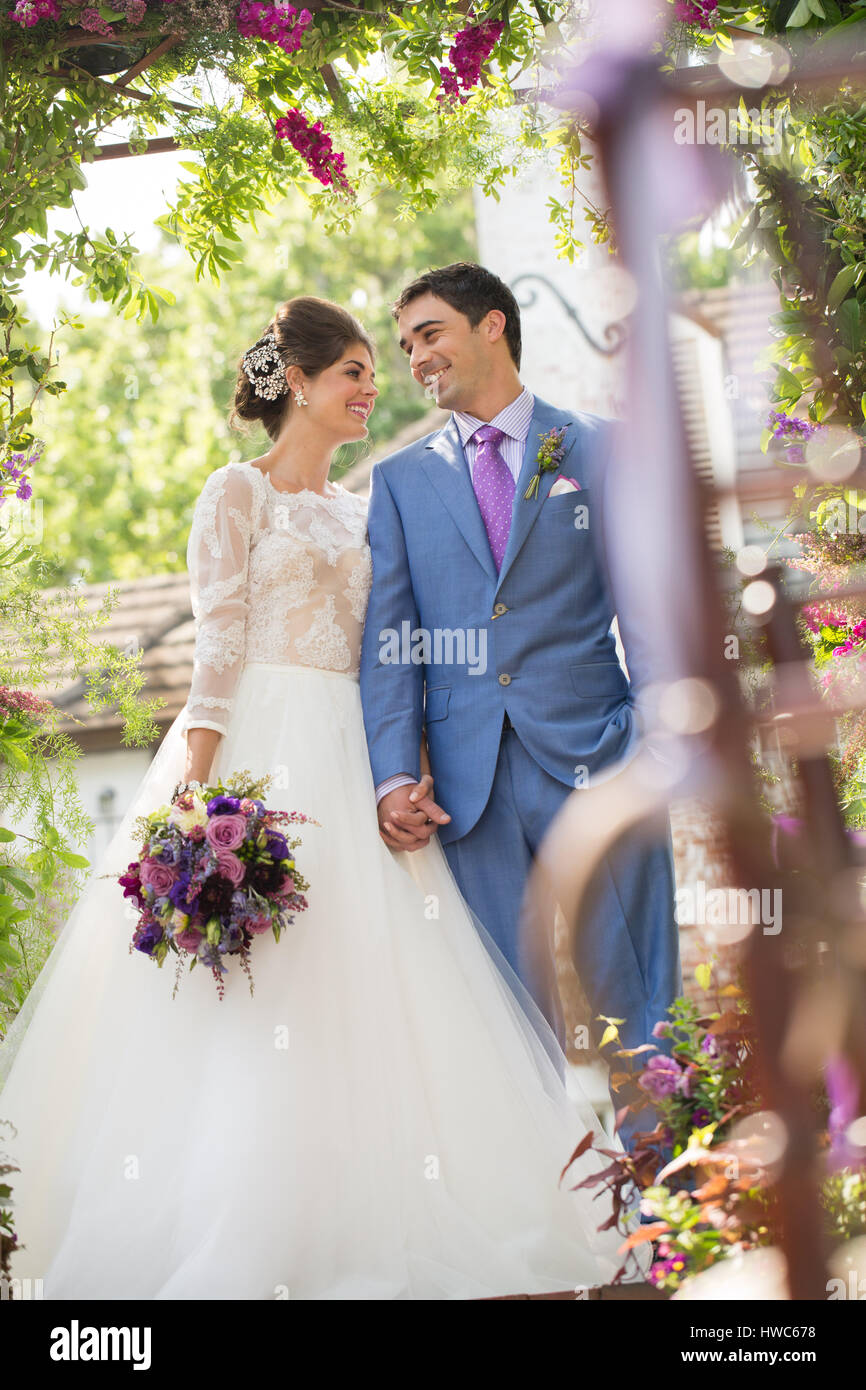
(505, 679)
(499, 609)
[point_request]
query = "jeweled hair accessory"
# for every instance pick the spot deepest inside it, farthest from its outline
(264, 369)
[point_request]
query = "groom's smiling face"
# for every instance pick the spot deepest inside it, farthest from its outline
(446, 355)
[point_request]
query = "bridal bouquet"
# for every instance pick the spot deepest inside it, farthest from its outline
(215, 871)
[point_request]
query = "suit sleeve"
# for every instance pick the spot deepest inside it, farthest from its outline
(392, 690)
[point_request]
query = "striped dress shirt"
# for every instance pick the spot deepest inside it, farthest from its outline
(514, 421)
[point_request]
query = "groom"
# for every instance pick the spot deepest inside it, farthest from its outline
(488, 627)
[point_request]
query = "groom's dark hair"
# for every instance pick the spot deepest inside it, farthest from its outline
(473, 292)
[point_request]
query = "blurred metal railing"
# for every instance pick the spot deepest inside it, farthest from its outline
(807, 985)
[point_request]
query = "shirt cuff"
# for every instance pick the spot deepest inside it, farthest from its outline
(400, 779)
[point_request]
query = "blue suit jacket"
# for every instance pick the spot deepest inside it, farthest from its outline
(543, 623)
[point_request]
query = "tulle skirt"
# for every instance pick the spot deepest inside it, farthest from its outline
(384, 1118)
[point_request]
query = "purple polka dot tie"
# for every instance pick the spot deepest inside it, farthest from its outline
(494, 487)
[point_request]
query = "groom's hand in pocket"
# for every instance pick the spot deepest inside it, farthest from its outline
(408, 824)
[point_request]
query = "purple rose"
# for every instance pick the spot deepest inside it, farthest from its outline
(189, 939)
(661, 1077)
(230, 867)
(226, 831)
(157, 876)
(256, 925)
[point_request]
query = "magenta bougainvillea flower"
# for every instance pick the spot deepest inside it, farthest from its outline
(279, 24)
(314, 146)
(470, 50)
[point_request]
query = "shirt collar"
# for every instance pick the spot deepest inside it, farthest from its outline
(514, 420)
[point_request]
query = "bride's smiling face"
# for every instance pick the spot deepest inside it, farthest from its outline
(341, 398)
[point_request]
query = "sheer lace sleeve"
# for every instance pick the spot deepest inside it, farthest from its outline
(225, 519)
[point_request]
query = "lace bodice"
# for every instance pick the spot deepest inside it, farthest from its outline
(275, 576)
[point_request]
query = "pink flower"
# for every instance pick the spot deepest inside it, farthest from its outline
(285, 888)
(256, 925)
(156, 876)
(226, 832)
(189, 939)
(231, 867)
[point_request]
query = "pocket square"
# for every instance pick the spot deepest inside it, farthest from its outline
(564, 485)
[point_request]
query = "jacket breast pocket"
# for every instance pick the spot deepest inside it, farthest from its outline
(596, 680)
(436, 706)
(568, 509)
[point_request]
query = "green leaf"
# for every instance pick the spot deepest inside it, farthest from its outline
(8, 956)
(75, 861)
(848, 317)
(786, 386)
(842, 283)
(21, 884)
(14, 755)
(6, 836)
(703, 975)
(800, 15)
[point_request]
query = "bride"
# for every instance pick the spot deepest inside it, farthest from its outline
(385, 1118)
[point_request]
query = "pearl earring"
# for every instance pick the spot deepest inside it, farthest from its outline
(300, 398)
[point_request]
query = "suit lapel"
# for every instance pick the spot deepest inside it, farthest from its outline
(445, 464)
(526, 512)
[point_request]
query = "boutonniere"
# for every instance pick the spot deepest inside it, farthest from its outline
(550, 455)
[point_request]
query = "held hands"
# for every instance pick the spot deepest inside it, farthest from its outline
(408, 815)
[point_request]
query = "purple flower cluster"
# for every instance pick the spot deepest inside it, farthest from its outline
(669, 1264)
(698, 13)
(14, 702)
(280, 24)
(29, 12)
(315, 147)
(91, 20)
(210, 879)
(843, 1093)
(470, 50)
(793, 430)
(664, 1077)
(14, 468)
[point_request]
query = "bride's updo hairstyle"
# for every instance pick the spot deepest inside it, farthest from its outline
(311, 334)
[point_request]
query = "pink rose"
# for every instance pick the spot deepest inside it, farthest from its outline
(156, 876)
(285, 888)
(256, 925)
(230, 866)
(226, 832)
(189, 939)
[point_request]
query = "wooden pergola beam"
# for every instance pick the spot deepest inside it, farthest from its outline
(76, 72)
(170, 41)
(159, 145)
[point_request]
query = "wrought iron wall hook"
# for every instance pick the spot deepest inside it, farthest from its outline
(615, 334)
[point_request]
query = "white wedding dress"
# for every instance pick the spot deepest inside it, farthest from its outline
(385, 1118)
